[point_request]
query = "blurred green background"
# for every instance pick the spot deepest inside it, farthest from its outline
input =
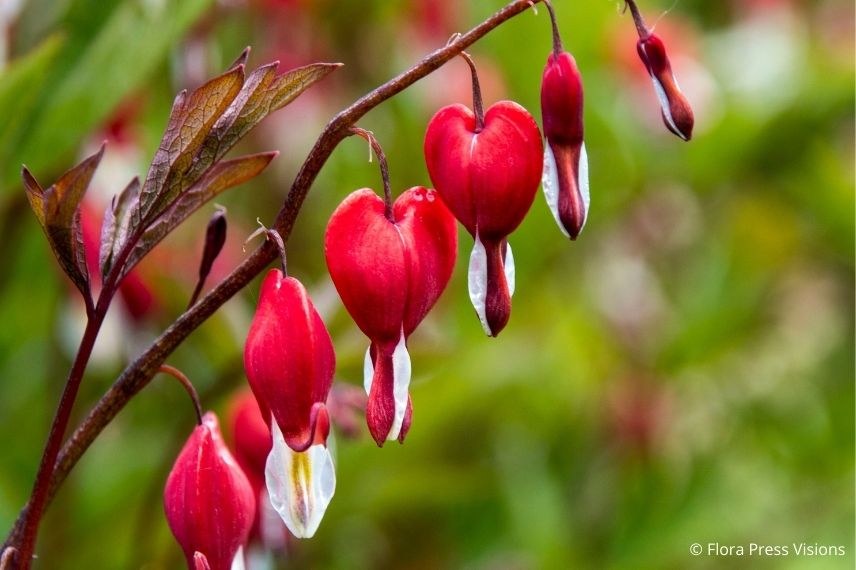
(682, 373)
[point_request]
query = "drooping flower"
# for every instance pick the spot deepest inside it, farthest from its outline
(390, 266)
(289, 361)
(565, 179)
(674, 107)
(486, 167)
(208, 501)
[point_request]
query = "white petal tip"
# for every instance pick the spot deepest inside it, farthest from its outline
(477, 282)
(300, 484)
(401, 371)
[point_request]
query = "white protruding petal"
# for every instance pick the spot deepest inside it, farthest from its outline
(664, 104)
(238, 560)
(401, 385)
(300, 484)
(550, 183)
(368, 370)
(583, 183)
(477, 282)
(508, 265)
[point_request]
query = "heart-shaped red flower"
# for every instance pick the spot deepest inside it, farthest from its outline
(389, 273)
(488, 175)
(209, 503)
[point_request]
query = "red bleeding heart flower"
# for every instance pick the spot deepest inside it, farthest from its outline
(676, 110)
(487, 167)
(565, 179)
(208, 500)
(289, 361)
(390, 265)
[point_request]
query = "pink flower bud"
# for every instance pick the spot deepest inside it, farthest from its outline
(487, 176)
(208, 500)
(565, 178)
(289, 361)
(389, 273)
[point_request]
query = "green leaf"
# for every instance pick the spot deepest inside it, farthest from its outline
(220, 177)
(58, 212)
(190, 121)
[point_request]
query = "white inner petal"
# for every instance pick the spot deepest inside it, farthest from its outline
(664, 104)
(401, 385)
(550, 183)
(477, 282)
(508, 265)
(583, 183)
(368, 370)
(300, 484)
(238, 560)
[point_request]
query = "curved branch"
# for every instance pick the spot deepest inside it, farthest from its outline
(138, 374)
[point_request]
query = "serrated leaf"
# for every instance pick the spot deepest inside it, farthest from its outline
(220, 177)
(190, 122)
(58, 211)
(114, 228)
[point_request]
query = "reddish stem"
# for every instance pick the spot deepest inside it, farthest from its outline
(41, 487)
(384, 169)
(557, 38)
(478, 106)
(188, 386)
(641, 28)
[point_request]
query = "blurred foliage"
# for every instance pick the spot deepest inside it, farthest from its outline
(682, 373)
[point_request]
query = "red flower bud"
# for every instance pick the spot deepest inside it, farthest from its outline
(565, 179)
(389, 273)
(289, 361)
(208, 500)
(676, 110)
(674, 107)
(487, 177)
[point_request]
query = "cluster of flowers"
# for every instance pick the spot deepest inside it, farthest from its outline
(390, 262)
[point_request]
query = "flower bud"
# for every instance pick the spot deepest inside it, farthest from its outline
(389, 273)
(565, 178)
(289, 361)
(208, 500)
(674, 107)
(676, 110)
(487, 176)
